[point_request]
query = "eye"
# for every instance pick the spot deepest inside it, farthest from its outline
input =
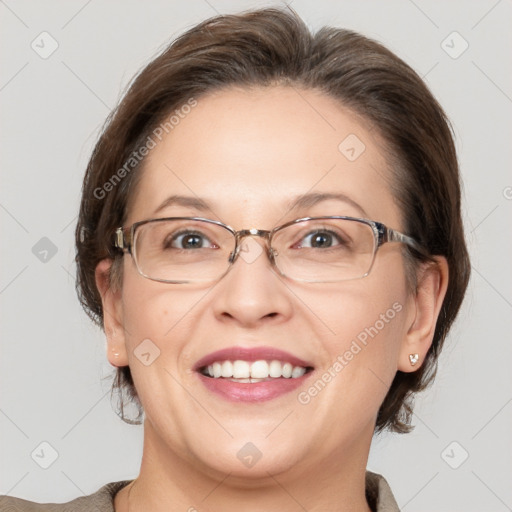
(187, 239)
(322, 239)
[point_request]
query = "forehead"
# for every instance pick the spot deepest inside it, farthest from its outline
(249, 152)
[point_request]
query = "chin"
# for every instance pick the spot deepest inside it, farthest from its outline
(250, 461)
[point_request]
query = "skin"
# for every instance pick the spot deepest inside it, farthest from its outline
(249, 152)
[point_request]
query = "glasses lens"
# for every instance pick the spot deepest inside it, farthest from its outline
(182, 250)
(325, 250)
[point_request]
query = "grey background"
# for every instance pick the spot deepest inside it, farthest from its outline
(53, 371)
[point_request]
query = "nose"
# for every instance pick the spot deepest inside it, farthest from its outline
(252, 293)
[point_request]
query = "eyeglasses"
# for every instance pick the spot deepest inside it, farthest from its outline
(312, 249)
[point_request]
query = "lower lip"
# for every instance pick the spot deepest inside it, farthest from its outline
(255, 392)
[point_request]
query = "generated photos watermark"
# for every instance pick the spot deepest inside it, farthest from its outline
(150, 143)
(357, 344)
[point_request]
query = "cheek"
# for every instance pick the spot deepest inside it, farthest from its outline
(367, 339)
(154, 310)
(365, 326)
(158, 320)
(359, 362)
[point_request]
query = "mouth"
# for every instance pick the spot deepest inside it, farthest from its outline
(252, 375)
(257, 371)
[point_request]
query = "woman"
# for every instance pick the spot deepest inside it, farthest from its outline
(270, 235)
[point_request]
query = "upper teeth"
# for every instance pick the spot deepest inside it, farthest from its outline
(256, 370)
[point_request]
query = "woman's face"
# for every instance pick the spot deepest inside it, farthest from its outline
(249, 154)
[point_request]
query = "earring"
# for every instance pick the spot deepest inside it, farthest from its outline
(414, 358)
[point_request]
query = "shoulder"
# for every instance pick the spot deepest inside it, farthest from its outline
(379, 495)
(100, 501)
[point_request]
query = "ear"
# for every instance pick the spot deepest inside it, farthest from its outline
(112, 315)
(426, 304)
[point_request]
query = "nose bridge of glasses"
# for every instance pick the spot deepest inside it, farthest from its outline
(244, 233)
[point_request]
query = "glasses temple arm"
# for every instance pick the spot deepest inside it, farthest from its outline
(122, 240)
(392, 235)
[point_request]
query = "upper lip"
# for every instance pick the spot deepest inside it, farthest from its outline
(250, 354)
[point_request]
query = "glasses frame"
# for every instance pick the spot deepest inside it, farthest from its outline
(124, 237)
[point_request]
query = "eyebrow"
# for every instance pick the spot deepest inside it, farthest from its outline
(313, 198)
(187, 201)
(300, 202)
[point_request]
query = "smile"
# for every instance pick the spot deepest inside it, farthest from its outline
(256, 371)
(252, 375)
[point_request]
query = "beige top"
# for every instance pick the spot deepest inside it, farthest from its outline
(378, 494)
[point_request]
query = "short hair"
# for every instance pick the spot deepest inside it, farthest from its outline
(269, 47)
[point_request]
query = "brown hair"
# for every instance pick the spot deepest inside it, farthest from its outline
(273, 46)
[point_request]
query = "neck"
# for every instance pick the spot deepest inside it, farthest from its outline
(169, 482)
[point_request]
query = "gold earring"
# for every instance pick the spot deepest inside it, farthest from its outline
(414, 358)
